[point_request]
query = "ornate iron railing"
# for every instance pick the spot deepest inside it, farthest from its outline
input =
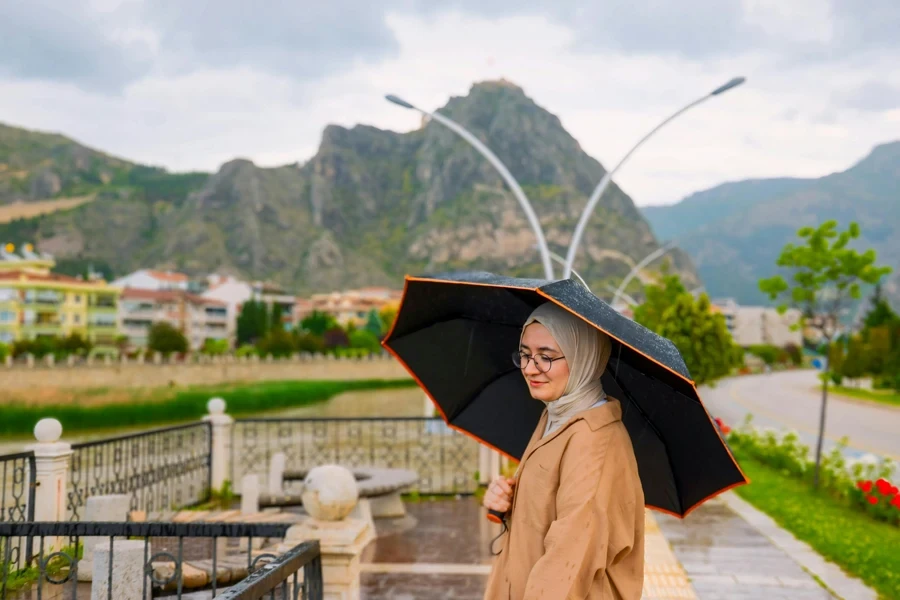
(445, 460)
(17, 477)
(173, 558)
(282, 574)
(160, 469)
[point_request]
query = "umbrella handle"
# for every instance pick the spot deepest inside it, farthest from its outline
(496, 516)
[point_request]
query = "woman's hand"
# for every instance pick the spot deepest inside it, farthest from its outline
(498, 495)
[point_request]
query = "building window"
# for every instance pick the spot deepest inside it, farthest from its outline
(6, 337)
(77, 298)
(77, 319)
(7, 316)
(62, 318)
(8, 294)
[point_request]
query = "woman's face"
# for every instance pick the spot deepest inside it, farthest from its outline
(549, 386)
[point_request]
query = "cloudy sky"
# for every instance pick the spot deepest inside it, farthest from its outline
(188, 84)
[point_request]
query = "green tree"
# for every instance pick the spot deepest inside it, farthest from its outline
(825, 274)
(165, 338)
(252, 322)
(277, 342)
(388, 315)
(701, 336)
(214, 347)
(277, 321)
(659, 298)
(318, 322)
(4, 351)
(309, 342)
(365, 339)
(854, 365)
(374, 324)
(880, 314)
(879, 348)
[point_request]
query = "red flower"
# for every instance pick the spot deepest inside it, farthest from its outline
(872, 499)
(884, 486)
(865, 486)
(896, 501)
(894, 490)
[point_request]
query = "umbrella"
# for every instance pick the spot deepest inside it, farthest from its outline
(455, 334)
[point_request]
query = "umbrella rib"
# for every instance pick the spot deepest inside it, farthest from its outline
(653, 427)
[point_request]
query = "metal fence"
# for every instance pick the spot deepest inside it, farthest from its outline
(17, 476)
(160, 469)
(173, 558)
(282, 577)
(446, 461)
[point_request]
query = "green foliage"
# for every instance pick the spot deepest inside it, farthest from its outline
(309, 342)
(881, 392)
(374, 324)
(317, 323)
(336, 337)
(700, 335)
(4, 351)
(880, 314)
(658, 300)
(214, 347)
(825, 274)
(186, 404)
(276, 322)
(246, 350)
(842, 534)
(277, 342)
(365, 340)
(253, 322)
(59, 347)
(165, 338)
(388, 315)
(855, 364)
(768, 353)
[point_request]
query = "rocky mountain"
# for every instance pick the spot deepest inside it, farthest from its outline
(370, 206)
(735, 231)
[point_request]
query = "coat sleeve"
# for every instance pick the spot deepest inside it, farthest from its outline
(592, 527)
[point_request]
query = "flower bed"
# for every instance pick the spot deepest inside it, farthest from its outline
(862, 484)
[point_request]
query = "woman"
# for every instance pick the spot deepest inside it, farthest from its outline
(575, 511)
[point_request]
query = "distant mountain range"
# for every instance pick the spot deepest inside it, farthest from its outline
(734, 232)
(369, 207)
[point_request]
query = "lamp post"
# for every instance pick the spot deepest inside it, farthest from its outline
(604, 183)
(501, 168)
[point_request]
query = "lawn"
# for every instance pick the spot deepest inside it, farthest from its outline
(882, 396)
(863, 547)
(183, 404)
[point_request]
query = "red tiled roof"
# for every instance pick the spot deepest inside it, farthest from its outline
(164, 276)
(167, 296)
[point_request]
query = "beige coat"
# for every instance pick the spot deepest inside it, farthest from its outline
(576, 526)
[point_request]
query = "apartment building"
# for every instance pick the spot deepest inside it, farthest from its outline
(36, 302)
(352, 306)
(150, 279)
(760, 325)
(234, 293)
(197, 317)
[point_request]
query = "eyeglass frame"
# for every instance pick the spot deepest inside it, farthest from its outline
(517, 357)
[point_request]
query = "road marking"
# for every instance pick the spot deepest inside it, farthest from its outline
(753, 408)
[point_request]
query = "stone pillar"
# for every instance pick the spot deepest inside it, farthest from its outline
(70, 360)
(100, 508)
(221, 425)
(140, 357)
(50, 360)
(249, 494)
(9, 361)
(276, 474)
(127, 570)
(51, 471)
(107, 360)
(89, 360)
(157, 358)
(29, 360)
(330, 496)
(123, 358)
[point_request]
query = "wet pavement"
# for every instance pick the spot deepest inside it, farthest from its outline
(727, 558)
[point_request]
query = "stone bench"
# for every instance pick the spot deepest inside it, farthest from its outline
(380, 488)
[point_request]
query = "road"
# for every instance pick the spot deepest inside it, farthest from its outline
(791, 400)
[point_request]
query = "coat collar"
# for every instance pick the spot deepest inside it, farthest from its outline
(596, 417)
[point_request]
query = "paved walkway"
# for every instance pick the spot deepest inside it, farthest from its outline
(441, 550)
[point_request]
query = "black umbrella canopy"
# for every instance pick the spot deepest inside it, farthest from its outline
(455, 334)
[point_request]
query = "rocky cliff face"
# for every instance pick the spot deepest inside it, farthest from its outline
(372, 205)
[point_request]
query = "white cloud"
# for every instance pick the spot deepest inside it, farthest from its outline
(772, 126)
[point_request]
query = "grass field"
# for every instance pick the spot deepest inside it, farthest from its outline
(861, 546)
(882, 396)
(26, 210)
(173, 405)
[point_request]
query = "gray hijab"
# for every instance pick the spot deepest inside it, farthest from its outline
(587, 351)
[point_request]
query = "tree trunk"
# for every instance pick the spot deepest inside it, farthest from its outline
(821, 427)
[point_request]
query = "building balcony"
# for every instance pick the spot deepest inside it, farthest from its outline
(34, 329)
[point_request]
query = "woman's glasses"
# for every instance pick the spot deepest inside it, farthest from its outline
(542, 362)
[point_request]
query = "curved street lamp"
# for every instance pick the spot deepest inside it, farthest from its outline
(604, 183)
(636, 268)
(501, 168)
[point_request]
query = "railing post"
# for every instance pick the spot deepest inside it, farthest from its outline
(221, 426)
(51, 462)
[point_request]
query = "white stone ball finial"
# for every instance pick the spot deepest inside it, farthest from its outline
(330, 492)
(48, 431)
(216, 406)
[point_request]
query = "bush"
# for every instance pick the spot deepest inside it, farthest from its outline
(214, 347)
(277, 342)
(165, 338)
(4, 351)
(246, 350)
(766, 352)
(862, 483)
(309, 342)
(365, 340)
(795, 354)
(336, 338)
